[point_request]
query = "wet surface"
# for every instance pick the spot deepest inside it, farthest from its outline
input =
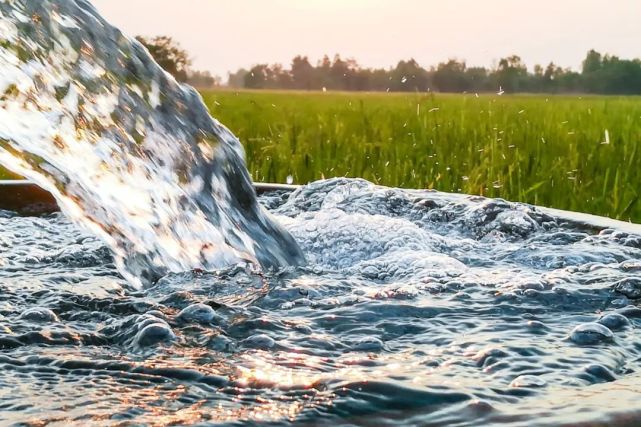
(128, 153)
(413, 308)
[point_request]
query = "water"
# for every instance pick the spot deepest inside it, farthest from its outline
(165, 295)
(131, 155)
(415, 308)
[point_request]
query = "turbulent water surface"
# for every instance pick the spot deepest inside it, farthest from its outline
(415, 308)
(166, 295)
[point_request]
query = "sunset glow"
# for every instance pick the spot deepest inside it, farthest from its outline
(224, 36)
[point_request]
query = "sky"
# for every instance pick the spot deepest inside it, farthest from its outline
(224, 35)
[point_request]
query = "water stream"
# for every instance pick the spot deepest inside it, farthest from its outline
(166, 293)
(130, 154)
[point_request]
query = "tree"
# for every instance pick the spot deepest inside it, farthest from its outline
(258, 77)
(302, 73)
(323, 71)
(600, 74)
(610, 74)
(478, 79)
(168, 54)
(237, 79)
(409, 76)
(202, 79)
(512, 73)
(592, 62)
(450, 76)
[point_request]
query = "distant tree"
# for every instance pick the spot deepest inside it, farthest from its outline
(202, 79)
(619, 76)
(550, 77)
(599, 74)
(258, 77)
(323, 73)
(592, 62)
(409, 76)
(592, 67)
(512, 74)
(302, 73)
(280, 78)
(343, 73)
(451, 76)
(610, 74)
(379, 79)
(478, 79)
(570, 81)
(339, 73)
(168, 54)
(237, 79)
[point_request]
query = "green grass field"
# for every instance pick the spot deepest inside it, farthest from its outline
(547, 150)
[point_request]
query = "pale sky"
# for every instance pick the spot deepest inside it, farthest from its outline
(223, 35)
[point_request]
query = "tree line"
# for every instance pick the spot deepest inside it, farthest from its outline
(600, 74)
(176, 61)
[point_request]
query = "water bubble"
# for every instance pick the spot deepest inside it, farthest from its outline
(614, 321)
(39, 314)
(154, 333)
(369, 344)
(222, 343)
(591, 333)
(528, 381)
(201, 313)
(600, 373)
(260, 341)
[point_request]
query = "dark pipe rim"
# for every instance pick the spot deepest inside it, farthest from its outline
(26, 198)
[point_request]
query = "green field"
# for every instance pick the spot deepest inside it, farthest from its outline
(547, 150)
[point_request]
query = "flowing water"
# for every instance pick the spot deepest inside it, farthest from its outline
(166, 295)
(130, 154)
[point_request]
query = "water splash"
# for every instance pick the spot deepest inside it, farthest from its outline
(128, 152)
(415, 307)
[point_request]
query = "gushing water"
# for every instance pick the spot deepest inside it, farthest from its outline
(414, 307)
(130, 154)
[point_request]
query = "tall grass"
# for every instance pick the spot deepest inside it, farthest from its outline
(550, 151)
